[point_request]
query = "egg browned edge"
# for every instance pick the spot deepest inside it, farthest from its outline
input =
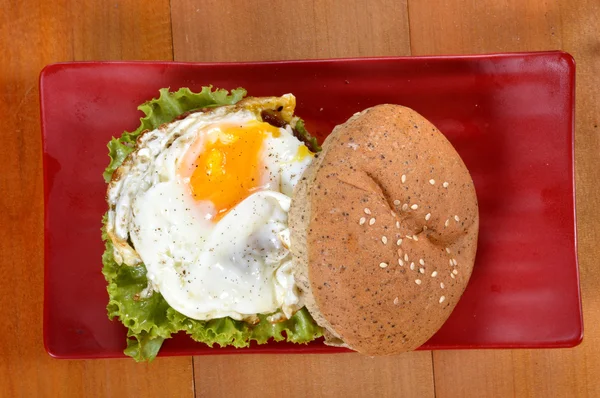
(384, 228)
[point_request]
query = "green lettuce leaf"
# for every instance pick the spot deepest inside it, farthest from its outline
(151, 320)
(304, 136)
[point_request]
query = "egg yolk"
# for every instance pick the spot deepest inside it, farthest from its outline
(303, 152)
(229, 168)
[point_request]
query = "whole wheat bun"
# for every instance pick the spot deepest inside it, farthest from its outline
(384, 228)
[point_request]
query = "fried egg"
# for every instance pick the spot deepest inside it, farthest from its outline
(203, 203)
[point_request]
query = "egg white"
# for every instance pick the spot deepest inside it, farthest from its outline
(238, 266)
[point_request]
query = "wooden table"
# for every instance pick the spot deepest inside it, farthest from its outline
(36, 33)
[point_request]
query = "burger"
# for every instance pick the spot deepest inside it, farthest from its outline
(227, 221)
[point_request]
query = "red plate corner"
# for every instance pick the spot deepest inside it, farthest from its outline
(510, 116)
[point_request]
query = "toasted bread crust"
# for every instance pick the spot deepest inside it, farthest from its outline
(385, 175)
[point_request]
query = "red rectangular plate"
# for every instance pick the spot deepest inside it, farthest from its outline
(509, 116)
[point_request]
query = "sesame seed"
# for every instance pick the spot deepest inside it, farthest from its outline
(396, 202)
(383, 265)
(422, 270)
(425, 228)
(405, 207)
(432, 181)
(396, 300)
(445, 184)
(415, 237)
(408, 237)
(442, 285)
(397, 224)
(367, 210)
(362, 220)
(455, 272)
(434, 274)
(403, 178)
(447, 223)
(399, 251)
(400, 262)
(372, 221)
(456, 218)
(384, 240)
(448, 250)
(421, 261)
(451, 262)
(452, 275)
(414, 207)
(418, 281)
(454, 261)
(427, 216)
(442, 299)
(399, 242)
(405, 256)
(412, 266)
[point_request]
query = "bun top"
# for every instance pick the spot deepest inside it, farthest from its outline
(390, 230)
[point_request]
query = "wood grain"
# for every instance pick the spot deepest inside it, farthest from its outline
(262, 30)
(471, 27)
(336, 375)
(33, 34)
(513, 25)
